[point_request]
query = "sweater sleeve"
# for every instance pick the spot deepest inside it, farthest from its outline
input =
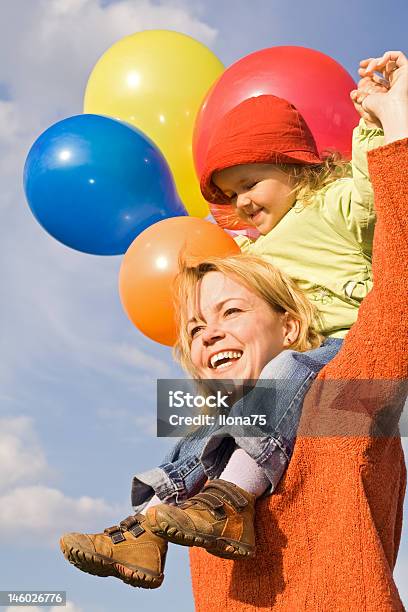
(349, 202)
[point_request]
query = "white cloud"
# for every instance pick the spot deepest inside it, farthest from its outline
(10, 127)
(21, 455)
(130, 355)
(52, 61)
(401, 573)
(143, 424)
(69, 607)
(401, 568)
(46, 513)
(12, 132)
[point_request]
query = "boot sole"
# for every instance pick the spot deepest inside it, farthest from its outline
(99, 565)
(218, 546)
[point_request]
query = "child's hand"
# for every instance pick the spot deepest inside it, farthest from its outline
(368, 85)
(389, 107)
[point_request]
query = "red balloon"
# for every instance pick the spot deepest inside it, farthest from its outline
(315, 83)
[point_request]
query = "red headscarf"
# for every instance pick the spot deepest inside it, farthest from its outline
(264, 129)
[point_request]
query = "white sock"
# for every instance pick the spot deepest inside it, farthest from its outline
(154, 501)
(244, 472)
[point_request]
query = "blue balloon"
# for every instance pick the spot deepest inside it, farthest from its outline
(95, 183)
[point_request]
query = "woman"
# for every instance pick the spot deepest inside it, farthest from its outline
(325, 539)
(328, 539)
(275, 315)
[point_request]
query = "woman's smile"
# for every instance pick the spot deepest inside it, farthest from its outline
(224, 358)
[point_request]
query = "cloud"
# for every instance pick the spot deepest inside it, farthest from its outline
(46, 513)
(58, 54)
(400, 577)
(401, 568)
(11, 139)
(21, 456)
(143, 424)
(69, 607)
(10, 127)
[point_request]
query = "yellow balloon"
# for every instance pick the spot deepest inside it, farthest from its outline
(157, 80)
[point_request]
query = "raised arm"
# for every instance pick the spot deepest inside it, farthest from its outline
(376, 346)
(349, 203)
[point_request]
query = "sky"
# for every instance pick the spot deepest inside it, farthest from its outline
(77, 382)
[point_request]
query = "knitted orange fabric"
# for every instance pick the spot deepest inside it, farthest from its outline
(327, 540)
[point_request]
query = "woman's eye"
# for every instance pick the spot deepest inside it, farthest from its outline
(231, 311)
(195, 330)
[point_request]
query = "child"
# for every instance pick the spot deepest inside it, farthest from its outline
(339, 219)
(316, 223)
(316, 219)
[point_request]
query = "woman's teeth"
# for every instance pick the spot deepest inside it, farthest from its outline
(223, 359)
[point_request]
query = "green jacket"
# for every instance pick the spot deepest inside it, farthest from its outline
(326, 246)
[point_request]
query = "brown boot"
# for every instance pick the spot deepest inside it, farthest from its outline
(129, 552)
(220, 519)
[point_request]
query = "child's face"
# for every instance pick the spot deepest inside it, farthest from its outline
(262, 193)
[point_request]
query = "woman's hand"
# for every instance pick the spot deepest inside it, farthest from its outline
(390, 107)
(368, 85)
(386, 65)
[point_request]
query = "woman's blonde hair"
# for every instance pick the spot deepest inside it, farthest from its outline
(278, 290)
(312, 178)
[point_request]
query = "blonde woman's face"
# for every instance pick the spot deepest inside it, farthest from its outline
(262, 193)
(237, 333)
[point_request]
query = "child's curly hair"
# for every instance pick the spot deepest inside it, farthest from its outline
(313, 178)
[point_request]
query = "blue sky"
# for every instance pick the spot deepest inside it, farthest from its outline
(77, 383)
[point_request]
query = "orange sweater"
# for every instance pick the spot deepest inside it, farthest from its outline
(327, 540)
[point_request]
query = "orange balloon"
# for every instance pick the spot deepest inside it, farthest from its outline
(151, 263)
